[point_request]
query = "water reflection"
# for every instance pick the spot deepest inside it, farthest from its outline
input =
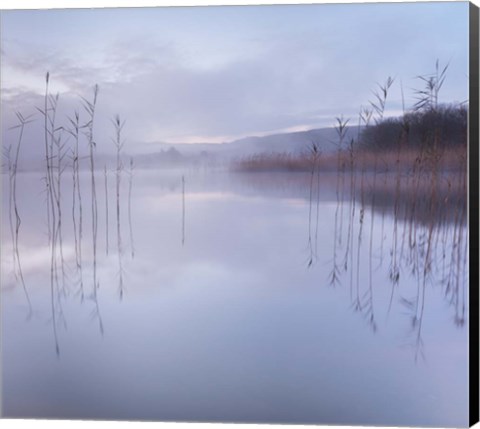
(246, 253)
(11, 162)
(428, 243)
(130, 182)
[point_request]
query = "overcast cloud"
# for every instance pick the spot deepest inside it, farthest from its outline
(214, 74)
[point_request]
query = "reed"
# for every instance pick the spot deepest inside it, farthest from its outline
(378, 105)
(56, 151)
(49, 113)
(314, 155)
(60, 168)
(89, 107)
(183, 212)
(317, 214)
(8, 165)
(48, 180)
(130, 183)
(341, 129)
(119, 143)
(74, 131)
(106, 207)
(13, 203)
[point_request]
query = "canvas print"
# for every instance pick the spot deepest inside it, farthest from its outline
(236, 214)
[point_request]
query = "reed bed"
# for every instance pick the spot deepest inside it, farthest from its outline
(64, 141)
(412, 169)
(385, 161)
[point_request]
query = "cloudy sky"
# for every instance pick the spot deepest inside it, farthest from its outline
(213, 74)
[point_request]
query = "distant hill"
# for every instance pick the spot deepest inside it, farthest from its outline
(214, 153)
(296, 142)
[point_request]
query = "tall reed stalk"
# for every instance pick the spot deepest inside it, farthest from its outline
(60, 155)
(13, 170)
(118, 142)
(89, 107)
(8, 165)
(314, 154)
(77, 198)
(130, 182)
(341, 129)
(106, 208)
(378, 105)
(49, 113)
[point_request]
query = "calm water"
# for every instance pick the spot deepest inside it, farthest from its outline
(228, 310)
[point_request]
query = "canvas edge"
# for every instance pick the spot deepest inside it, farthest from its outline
(473, 213)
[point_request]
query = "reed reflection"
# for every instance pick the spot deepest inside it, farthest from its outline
(423, 189)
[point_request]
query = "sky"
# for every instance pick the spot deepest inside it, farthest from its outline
(215, 74)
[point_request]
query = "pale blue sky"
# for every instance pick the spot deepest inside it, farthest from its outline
(216, 73)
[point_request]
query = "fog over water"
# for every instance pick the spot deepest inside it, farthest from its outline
(230, 326)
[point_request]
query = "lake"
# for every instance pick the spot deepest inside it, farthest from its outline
(235, 298)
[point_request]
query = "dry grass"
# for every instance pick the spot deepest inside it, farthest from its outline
(448, 160)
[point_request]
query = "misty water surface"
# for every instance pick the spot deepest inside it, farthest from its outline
(222, 318)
